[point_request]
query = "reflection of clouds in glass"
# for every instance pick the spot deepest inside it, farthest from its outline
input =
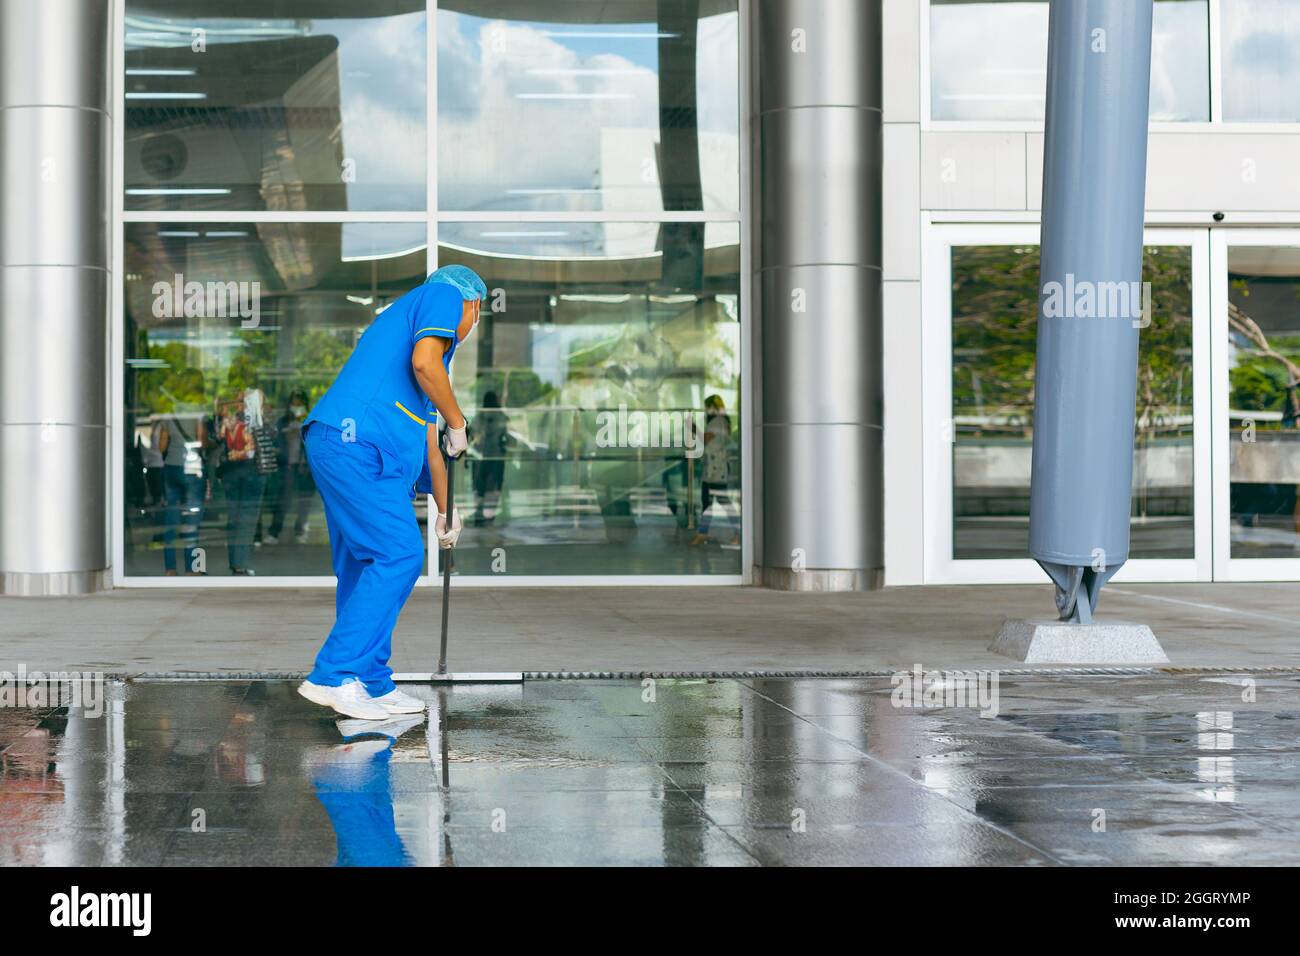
(719, 65)
(1180, 66)
(1261, 60)
(382, 78)
(529, 118)
(989, 60)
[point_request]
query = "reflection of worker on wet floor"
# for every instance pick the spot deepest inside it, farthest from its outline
(716, 488)
(491, 438)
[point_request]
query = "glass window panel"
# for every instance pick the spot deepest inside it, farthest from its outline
(988, 60)
(587, 387)
(215, 312)
(994, 330)
(588, 105)
(280, 111)
(1264, 400)
(1261, 65)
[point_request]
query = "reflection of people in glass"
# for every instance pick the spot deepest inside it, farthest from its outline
(241, 481)
(370, 439)
(716, 487)
(491, 437)
(294, 488)
(180, 442)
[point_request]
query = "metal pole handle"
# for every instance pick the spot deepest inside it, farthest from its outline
(450, 469)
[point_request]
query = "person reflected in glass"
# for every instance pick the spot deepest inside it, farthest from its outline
(716, 486)
(294, 488)
(180, 441)
(241, 481)
(491, 438)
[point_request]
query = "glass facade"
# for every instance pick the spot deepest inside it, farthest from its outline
(603, 385)
(612, 113)
(276, 112)
(1264, 400)
(988, 60)
(218, 316)
(604, 398)
(994, 324)
(1261, 69)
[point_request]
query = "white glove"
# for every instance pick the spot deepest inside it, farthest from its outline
(447, 539)
(455, 443)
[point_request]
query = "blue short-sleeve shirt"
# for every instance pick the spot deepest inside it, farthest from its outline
(376, 397)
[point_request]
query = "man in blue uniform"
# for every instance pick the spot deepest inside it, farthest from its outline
(369, 439)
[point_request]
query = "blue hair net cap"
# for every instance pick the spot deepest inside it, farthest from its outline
(465, 279)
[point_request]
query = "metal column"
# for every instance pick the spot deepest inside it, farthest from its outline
(1090, 305)
(54, 261)
(818, 124)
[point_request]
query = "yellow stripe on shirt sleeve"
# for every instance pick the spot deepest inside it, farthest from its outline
(433, 328)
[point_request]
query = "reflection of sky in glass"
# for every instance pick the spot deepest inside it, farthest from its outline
(1261, 60)
(362, 239)
(566, 116)
(989, 60)
(566, 240)
(381, 90)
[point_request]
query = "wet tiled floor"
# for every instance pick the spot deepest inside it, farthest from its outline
(1158, 769)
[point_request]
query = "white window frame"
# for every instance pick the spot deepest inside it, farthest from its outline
(940, 567)
(431, 216)
(1226, 567)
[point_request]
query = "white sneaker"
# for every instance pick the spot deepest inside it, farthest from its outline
(395, 702)
(392, 728)
(350, 699)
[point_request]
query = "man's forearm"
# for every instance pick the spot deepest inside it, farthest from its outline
(437, 472)
(435, 383)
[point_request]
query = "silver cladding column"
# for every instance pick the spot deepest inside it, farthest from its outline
(1091, 303)
(54, 261)
(818, 127)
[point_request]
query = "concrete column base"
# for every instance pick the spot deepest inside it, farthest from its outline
(54, 584)
(1060, 642)
(821, 579)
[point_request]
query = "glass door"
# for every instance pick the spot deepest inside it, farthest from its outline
(1256, 380)
(978, 338)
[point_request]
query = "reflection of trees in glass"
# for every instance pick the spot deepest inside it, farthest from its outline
(317, 355)
(1265, 377)
(175, 388)
(994, 330)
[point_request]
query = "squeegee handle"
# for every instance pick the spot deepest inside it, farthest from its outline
(449, 467)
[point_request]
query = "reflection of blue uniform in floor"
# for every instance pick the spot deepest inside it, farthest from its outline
(366, 444)
(358, 798)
